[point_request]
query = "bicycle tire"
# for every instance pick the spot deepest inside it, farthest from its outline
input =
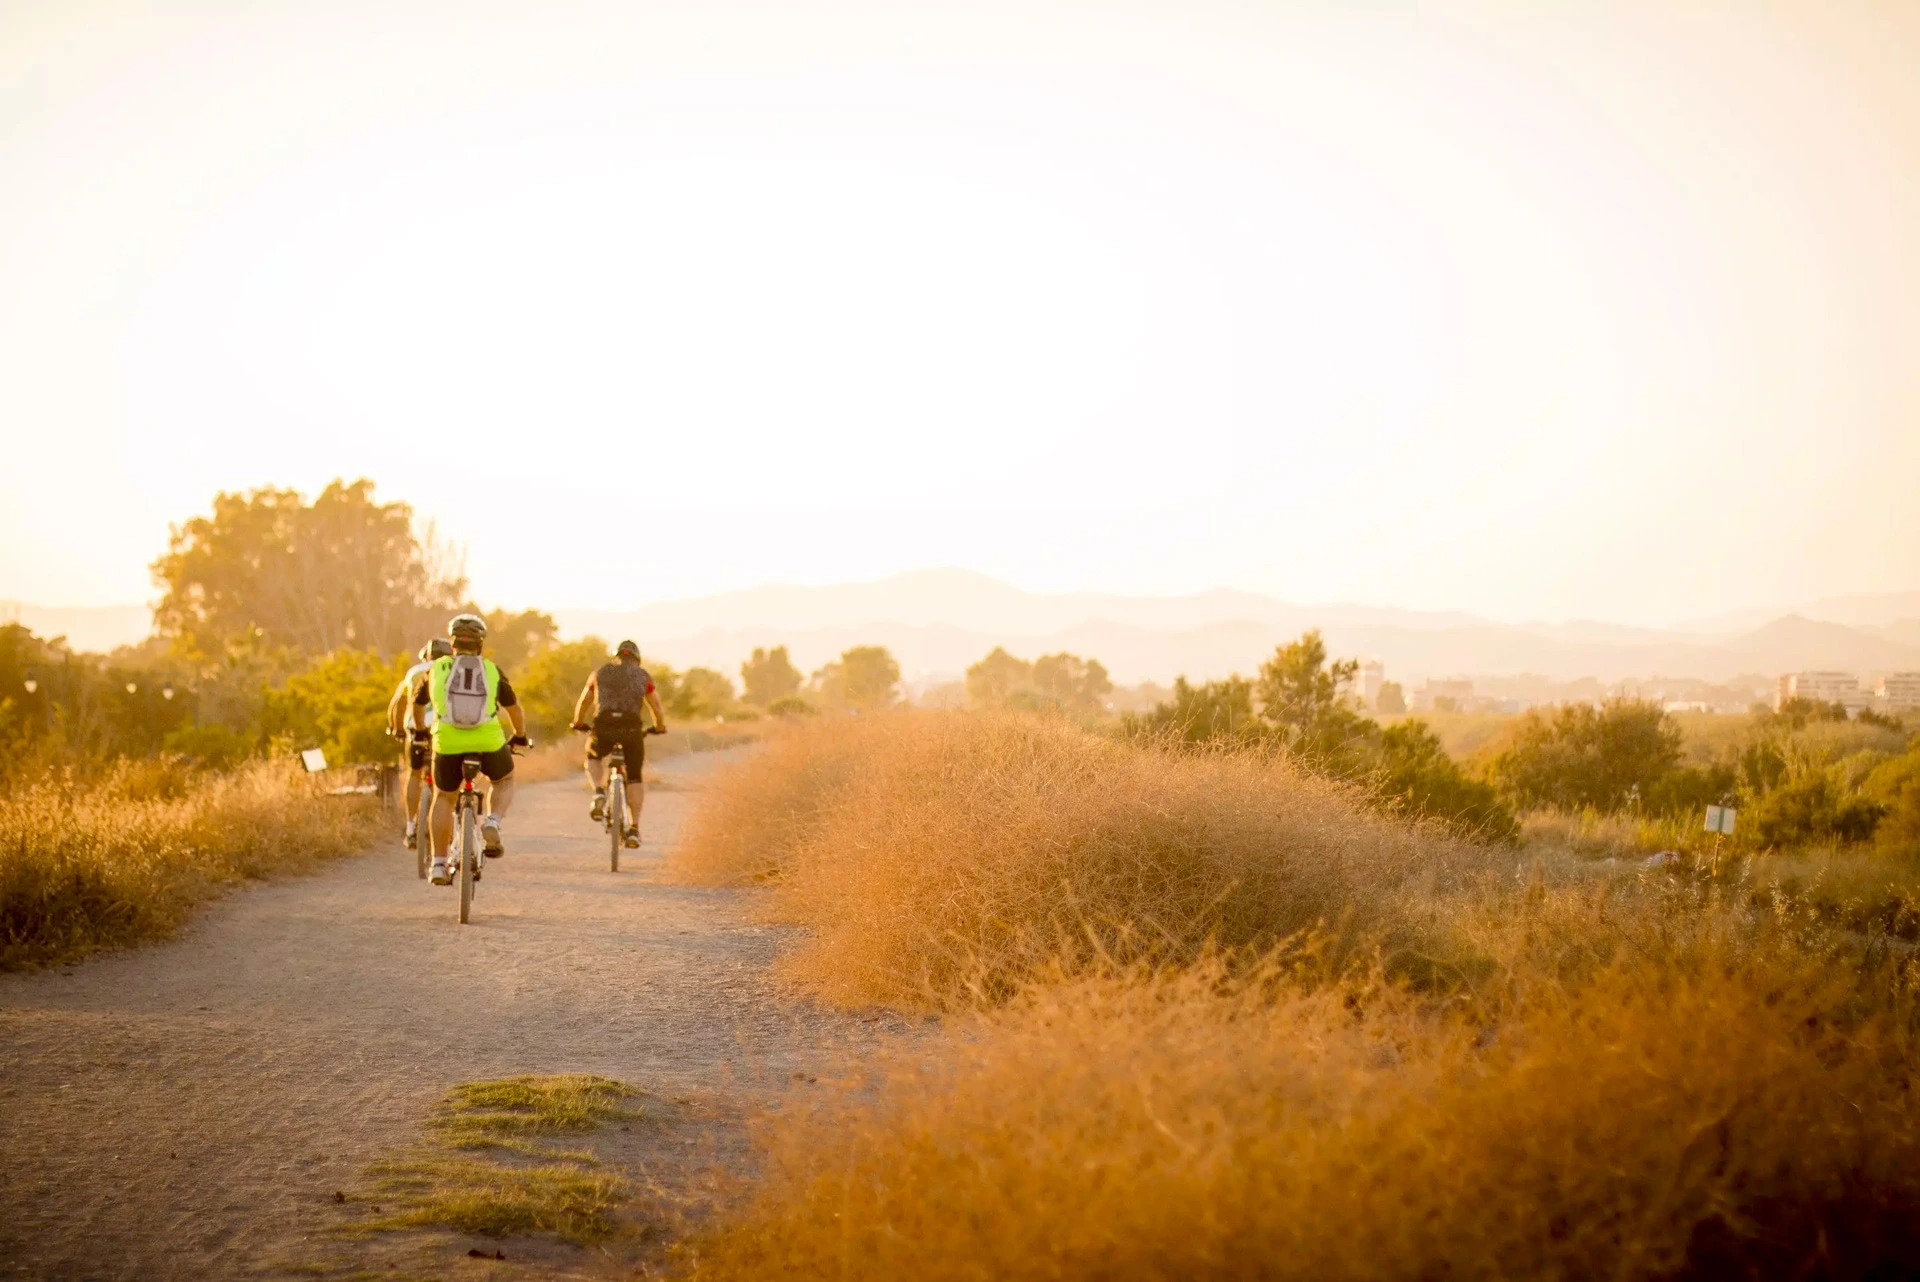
(423, 830)
(616, 820)
(469, 844)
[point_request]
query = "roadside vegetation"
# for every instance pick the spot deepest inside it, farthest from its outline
(1210, 1014)
(93, 859)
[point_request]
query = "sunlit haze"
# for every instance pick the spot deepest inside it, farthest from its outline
(1535, 311)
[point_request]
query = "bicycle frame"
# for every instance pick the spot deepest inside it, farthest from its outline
(615, 818)
(466, 834)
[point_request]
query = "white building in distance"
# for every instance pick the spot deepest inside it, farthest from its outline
(1367, 681)
(1899, 691)
(1821, 687)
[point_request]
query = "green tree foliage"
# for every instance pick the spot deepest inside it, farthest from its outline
(864, 678)
(1812, 806)
(1894, 786)
(1300, 691)
(1069, 682)
(1579, 756)
(1300, 695)
(338, 703)
(344, 572)
(1403, 768)
(1415, 774)
(992, 682)
(551, 682)
(700, 692)
(1392, 701)
(769, 676)
(1211, 712)
(512, 638)
(1054, 682)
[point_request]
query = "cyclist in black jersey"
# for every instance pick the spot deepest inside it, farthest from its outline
(609, 710)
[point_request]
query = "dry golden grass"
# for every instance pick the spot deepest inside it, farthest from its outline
(91, 861)
(1645, 1075)
(941, 858)
(1733, 1109)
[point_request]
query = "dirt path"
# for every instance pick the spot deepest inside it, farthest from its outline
(183, 1111)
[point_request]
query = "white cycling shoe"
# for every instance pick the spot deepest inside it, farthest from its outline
(490, 844)
(441, 873)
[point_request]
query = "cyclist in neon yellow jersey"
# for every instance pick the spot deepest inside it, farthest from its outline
(467, 693)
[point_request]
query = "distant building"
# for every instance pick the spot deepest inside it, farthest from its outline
(1821, 687)
(1899, 691)
(1367, 681)
(1443, 696)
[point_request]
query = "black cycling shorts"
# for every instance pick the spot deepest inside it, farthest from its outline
(495, 765)
(630, 739)
(419, 753)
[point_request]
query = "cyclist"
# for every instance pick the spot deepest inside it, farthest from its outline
(472, 729)
(416, 755)
(616, 691)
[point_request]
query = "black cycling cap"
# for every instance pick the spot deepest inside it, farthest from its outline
(628, 647)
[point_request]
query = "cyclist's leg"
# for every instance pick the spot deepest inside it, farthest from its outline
(445, 770)
(636, 750)
(412, 775)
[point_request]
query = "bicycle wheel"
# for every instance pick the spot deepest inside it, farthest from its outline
(616, 820)
(469, 851)
(423, 830)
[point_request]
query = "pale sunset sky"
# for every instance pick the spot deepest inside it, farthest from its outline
(1536, 310)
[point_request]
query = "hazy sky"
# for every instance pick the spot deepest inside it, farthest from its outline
(1537, 310)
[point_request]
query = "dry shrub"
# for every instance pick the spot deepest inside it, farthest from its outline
(944, 858)
(90, 861)
(1722, 1109)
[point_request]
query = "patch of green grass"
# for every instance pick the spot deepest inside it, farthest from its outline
(504, 1113)
(572, 1199)
(524, 1183)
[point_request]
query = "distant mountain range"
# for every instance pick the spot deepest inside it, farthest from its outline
(937, 622)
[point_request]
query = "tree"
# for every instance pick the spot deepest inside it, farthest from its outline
(1068, 681)
(345, 571)
(1299, 693)
(864, 678)
(512, 638)
(700, 692)
(1205, 713)
(769, 676)
(1417, 777)
(552, 680)
(1392, 701)
(1580, 756)
(992, 682)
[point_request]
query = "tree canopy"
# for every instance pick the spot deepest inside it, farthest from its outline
(344, 571)
(769, 676)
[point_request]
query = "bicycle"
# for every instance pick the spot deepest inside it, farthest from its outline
(614, 816)
(466, 826)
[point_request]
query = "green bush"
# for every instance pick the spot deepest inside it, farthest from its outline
(338, 703)
(1418, 777)
(1808, 808)
(1581, 757)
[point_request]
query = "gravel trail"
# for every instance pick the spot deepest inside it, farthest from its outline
(183, 1110)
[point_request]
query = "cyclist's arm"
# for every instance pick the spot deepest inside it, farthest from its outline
(589, 693)
(510, 706)
(659, 713)
(397, 709)
(421, 702)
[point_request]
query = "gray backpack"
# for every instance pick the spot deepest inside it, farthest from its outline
(467, 692)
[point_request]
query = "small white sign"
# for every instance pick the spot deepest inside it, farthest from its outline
(314, 760)
(1720, 819)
